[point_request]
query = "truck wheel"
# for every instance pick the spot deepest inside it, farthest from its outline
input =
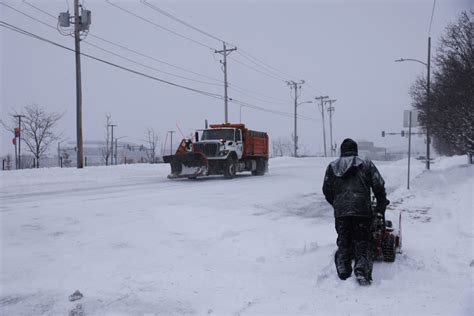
(261, 167)
(230, 168)
(388, 248)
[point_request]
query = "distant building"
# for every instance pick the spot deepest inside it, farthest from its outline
(369, 151)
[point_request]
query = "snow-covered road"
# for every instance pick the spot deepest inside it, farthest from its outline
(136, 243)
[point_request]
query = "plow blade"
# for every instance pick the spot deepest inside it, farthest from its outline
(188, 165)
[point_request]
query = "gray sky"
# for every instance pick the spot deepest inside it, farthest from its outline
(344, 49)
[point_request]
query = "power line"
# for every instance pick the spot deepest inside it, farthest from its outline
(256, 98)
(41, 10)
(206, 93)
(150, 67)
(116, 54)
(256, 60)
(258, 65)
(432, 14)
(24, 32)
(232, 86)
(159, 26)
(264, 68)
(256, 70)
(244, 53)
(281, 113)
(153, 7)
(129, 49)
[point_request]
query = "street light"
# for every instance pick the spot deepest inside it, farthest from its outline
(296, 131)
(427, 113)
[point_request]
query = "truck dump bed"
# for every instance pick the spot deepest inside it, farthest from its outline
(256, 143)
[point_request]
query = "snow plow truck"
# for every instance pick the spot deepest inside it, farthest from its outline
(222, 149)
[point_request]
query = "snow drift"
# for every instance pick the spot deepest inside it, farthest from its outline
(134, 243)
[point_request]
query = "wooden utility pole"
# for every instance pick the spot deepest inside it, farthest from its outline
(77, 40)
(112, 145)
(331, 110)
(19, 116)
(225, 52)
(321, 99)
(294, 86)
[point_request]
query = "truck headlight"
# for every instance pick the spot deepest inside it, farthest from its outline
(223, 153)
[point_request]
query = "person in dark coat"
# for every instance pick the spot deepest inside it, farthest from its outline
(347, 187)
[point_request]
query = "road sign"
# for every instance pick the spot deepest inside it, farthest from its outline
(414, 118)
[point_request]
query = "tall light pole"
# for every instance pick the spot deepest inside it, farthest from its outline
(427, 112)
(295, 86)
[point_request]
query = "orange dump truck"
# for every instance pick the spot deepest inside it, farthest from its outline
(221, 149)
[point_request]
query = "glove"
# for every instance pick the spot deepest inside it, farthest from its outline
(382, 206)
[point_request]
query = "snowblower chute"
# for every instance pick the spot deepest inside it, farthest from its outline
(186, 164)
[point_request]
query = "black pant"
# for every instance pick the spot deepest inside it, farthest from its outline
(354, 241)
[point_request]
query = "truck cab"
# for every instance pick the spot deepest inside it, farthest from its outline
(219, 143)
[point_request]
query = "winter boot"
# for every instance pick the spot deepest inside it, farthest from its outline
(344, 269)
(362, 279)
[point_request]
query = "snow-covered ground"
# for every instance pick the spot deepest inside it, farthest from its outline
(136, 243)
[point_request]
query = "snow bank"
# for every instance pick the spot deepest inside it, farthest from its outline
(135, 243)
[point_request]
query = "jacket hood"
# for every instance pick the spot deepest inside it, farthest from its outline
(349, 148)
(343, 164)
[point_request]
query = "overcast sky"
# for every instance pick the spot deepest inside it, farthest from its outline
(343, 49)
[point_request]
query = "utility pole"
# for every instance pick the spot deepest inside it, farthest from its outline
(330, 110)
(225, 52)
(321, 99)
(295, 86)
(77, 41)
(428, 105)
(81, 23)
(19, 116)
(409, 149)
(112, 144)
(116, 150)
(59, 153)
(171, 141)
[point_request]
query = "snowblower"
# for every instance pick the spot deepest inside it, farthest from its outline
(387, 235)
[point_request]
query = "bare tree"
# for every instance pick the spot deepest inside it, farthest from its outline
(66, 158)
(152, 141)
(37, 129)
(451, 103)
(282, 147)
(105, 150)
(8, 162)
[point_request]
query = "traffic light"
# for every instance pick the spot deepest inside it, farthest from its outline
(383, 133)
(403, 133)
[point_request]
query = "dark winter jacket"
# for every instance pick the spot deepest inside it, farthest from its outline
(347, 185)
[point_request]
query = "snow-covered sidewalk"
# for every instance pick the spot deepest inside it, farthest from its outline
(135, 243)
